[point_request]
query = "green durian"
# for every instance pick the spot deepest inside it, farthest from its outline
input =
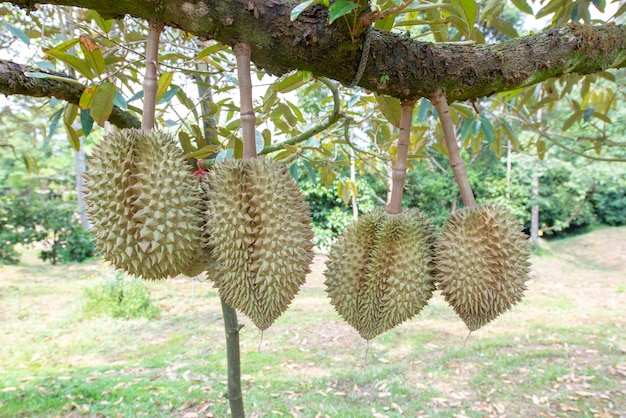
(201, 261)
(379, 271)
(482, 263)
(143, 203)
(260, 237)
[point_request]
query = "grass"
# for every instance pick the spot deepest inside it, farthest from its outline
(561, 352)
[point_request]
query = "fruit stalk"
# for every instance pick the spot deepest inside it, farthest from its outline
(248, 119)
(398, 175)
(440, 102)
(150, 83)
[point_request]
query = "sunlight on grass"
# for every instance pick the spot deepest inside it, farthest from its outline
(558, 353)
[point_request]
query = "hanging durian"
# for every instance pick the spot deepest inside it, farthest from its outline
(260, 227)
(482, 256)
(142, 200)
(379, 271)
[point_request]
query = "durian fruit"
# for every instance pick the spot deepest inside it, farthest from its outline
(143, 204)
(260, 237)
(201, 261)
(482, 263)
(379, 271)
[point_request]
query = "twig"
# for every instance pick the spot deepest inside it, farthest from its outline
(399, 170)
(150, 83)
(248, 119)
(440, 102)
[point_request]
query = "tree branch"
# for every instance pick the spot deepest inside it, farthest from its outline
(19, 79)
(397, 66)
(335, 116)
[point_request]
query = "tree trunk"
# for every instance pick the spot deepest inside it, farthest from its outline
(79, 170)
(534, 212)
(232, 327)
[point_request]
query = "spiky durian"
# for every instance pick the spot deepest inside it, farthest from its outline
(143, 204)
(201, 261)
(482, 263)
(379, 271)
(260, 237)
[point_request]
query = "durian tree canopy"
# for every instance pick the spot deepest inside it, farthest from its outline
(397, 65)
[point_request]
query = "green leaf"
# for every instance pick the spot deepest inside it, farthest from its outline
(291, 82)
(86, 121)
(119, 100)
(466, 9)
(465, 128)
(92, 54)
(71, 111)
(603, 118)
(523, 6)
(169, 94)
(72, 61)
(103, 24)
(72, 137)
(87, 97)
(511, 135)
(202, 153)
(164, 83)
(54, 123)
(487, 129)
(310, 171)
(297, 11)
(38, 74)
(102, 104)
(64, 46)
(185, 142)
(588, 114)
(505, 27)
(17, 32)
(422, 112)
(31, 163)
(259, 141)
(340, 8)
(572, 119)
(210, 50)
(541, 148)
(390, 108)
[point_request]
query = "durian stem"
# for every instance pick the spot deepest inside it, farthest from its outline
(440, 102)
(398, 174)
(248, 119)
(232, 327)
(150, 82)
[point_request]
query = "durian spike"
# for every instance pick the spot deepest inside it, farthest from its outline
(439, 100)
(246, 111)
(150, 83)
(399, 169)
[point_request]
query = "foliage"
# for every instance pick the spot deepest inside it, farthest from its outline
(50, 222)
(19, 223)
(67, 241)
(118, 297)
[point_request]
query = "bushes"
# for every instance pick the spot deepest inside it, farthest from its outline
(51, 222)
(118, 297)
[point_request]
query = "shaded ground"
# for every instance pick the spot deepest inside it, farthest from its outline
(561, 352)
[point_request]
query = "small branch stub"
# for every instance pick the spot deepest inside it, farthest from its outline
(440, 102)
(398, 175)
(247, 116)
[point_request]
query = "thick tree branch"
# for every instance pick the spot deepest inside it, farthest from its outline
(17, 79)
(397, 66)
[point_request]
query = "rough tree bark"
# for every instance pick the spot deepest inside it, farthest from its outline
(16, 79)
(397, 65)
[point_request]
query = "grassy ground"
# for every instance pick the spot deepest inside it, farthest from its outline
(562, 352)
